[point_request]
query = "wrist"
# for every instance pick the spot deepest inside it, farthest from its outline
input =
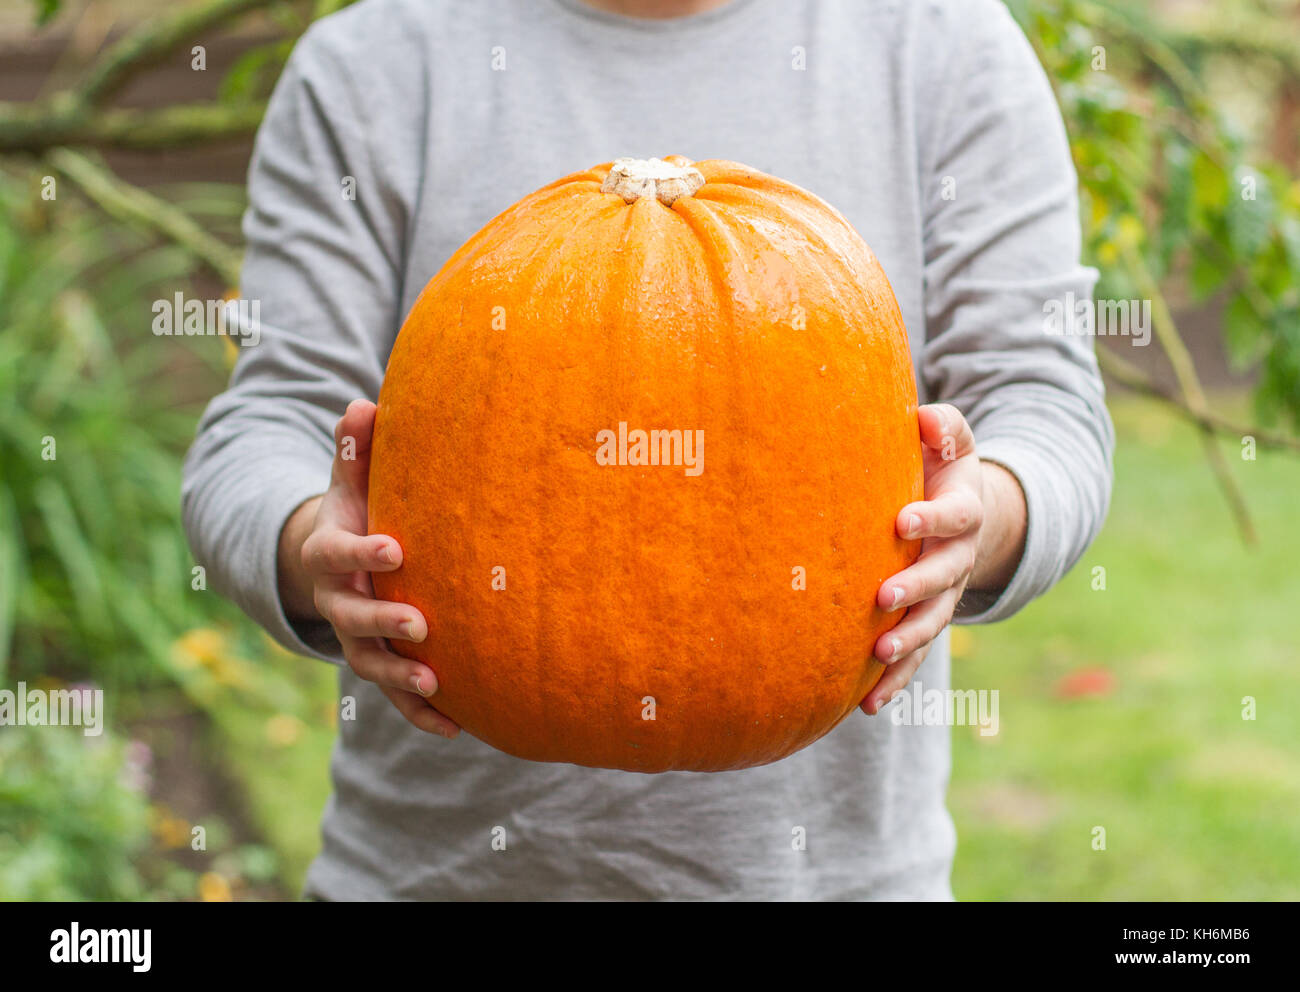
(1002, 535)
(297, 594)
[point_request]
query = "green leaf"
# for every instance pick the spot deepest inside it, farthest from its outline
(254, 72)
(74, 553)
(11, 578)
(1178, 200)
(1206, 276)
(1243, 331)
(46, 11)
(1290, 227)
(1209, 185)
(1250, 213)
(241, 80)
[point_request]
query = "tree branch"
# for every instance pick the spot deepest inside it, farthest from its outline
(1248, 39)
(1129, 375)
(36, 128)
(76, 117)
(133, 205)
(153, 41)
(1189, 385)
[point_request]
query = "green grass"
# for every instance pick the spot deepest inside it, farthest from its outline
(1196, 802)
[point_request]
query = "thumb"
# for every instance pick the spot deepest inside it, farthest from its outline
(945, 430)
(352, 436)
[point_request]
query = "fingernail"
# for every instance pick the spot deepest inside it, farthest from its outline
(418, 682)
(913, 525)
(409, 631)
(385, 554)
(898, 592)
(895, 646)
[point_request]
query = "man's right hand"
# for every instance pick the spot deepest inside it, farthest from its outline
(324, 562)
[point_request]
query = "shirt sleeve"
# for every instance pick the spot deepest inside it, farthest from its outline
(323, 237)
(1001, 240)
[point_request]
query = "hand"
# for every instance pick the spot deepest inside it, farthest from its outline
(325, 560)
(972, 525)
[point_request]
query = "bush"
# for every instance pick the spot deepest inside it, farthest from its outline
(73, 816)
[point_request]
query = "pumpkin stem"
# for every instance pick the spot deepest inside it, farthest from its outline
(633, 178)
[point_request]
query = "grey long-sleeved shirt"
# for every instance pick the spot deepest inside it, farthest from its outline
(928, 123)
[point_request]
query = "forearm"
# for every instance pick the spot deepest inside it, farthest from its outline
(295, 584)
(1002, 535)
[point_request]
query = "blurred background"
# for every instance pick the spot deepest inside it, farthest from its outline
(1152, 694)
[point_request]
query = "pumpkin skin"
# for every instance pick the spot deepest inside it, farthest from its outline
(747, 309)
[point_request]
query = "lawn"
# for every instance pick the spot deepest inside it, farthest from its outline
(1196, 802)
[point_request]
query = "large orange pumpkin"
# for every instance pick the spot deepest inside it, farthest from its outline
(703, 600)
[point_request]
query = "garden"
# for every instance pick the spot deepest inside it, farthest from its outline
(1148, 744)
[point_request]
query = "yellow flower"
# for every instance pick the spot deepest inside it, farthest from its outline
(283, 729)
(170, 830)
(201, 646)
(230, 672)
(1131, 231)
(207, 648)
(962, 642)
(214, 887)
(1100, 211)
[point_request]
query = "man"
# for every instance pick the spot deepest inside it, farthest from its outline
(398, 129)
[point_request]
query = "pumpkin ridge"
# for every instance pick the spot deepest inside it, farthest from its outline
(719, 243)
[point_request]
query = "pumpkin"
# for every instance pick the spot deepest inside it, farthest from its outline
(643, 440)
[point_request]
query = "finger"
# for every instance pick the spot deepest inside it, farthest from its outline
(941, 566)
(921, 626)
(333, 551)
(375, 663)
(352, 435)
(947, 514)
(896, 677)
(354, 614)
(944, 429)
(420, 713)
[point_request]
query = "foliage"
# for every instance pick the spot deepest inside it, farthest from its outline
(71, 823)
(1170, 186)
(95, 572)
(92, 426)
(46, 10)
